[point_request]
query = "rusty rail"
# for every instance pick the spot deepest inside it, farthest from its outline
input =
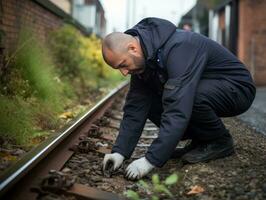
(17, 181)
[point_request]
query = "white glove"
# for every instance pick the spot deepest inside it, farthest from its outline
(112, 161)
(138, 168)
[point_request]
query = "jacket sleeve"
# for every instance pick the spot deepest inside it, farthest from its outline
(185, 64)
(136, 111)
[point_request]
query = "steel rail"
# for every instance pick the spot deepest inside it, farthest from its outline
(16, 172)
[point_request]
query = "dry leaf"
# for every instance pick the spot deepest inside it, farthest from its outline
(66, 115)
(195, 190)
(7, 156)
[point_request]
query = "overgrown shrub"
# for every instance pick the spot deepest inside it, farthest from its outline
(31, 93)
(65, 44)
(80, 60)
(39, 81)
(31, 74)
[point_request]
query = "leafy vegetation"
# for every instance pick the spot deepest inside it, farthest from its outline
(39, 82)
(28, 87)
(16, 119)
(156, 190)
(79, 60)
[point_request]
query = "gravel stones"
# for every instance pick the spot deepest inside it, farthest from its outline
(240, 176)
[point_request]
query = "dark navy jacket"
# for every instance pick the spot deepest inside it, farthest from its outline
(176, 60)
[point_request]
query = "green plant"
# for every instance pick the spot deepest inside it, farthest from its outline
(39, 82)
(30, 94)
(65, 46)
(16, 120)
(132, 195)
(30, 73)
(155, 190)
(36, 67)
(79, 59)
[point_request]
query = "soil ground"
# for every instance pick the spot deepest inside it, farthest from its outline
(240, 176)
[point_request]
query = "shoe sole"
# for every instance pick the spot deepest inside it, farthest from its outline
(222, 154)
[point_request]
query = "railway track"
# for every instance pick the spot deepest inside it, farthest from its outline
(69, 165)
(42, 173)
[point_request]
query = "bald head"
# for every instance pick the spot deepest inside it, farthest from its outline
(117, 41)
(123, 51)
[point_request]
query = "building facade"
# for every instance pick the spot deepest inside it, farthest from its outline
(90, 14)
(239, 25)
(42, 17)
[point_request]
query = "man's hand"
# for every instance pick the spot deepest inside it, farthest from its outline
(112, 161)
(138, 168)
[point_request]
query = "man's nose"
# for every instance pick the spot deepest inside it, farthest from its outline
(124, 72)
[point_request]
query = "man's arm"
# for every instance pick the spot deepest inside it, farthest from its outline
(136, 111)
(185, 64)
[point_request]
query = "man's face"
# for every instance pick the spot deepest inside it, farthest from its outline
(130, 62)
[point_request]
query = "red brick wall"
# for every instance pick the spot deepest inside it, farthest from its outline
(17, 14)
(252, 37)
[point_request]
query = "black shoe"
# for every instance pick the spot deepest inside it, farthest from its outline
(205, 152)
(179, 152)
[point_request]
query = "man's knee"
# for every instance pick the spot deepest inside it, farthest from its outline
(222, 97)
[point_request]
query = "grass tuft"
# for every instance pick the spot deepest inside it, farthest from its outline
(15, 120)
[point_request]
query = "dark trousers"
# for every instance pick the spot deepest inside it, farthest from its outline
(213, 99)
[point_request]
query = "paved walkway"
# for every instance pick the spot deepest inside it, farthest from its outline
(256, 115)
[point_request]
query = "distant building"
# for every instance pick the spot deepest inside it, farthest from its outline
(39, 16)
(223, 24)
(239, 25)
(65, 5)
(196, 19)
(90, 14)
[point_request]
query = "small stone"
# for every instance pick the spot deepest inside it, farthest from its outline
(211, 186)
(66, 170)
(234, 173)
(17, 152)
(251, 194)
(239, 191)
(86, 171)
(133, 187)
(96, 179)
(98, 172)
(264, 188)
(85, 165)
(95, 167)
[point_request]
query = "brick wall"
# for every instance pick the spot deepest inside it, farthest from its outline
(252, 37)
(17, 14)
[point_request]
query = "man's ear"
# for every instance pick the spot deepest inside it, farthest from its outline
(131, 47)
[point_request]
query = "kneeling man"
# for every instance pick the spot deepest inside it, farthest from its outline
(183, 82)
